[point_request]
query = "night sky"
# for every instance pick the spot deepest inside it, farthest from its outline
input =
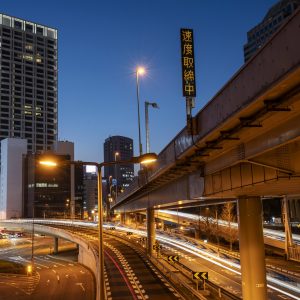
(102, 42)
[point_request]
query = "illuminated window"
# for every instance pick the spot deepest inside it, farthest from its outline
(41, 184)
(28, 47)
(52, 185)
(28, 57)
(38, 59)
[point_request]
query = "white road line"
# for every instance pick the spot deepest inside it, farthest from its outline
(81, 285)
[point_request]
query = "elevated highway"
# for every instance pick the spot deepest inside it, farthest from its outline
(245, 145)
(246, 139)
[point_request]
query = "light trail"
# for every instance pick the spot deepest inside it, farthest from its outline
(229, 265)
(179, 244)
(270, 233)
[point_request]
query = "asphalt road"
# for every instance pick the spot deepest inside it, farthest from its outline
(56, 277)
(128, 273)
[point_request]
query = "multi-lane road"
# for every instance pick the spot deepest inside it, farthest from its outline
(56, 277)
(130, 274)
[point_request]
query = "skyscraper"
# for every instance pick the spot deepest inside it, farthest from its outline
(259, 35)
(28, 82)
(119, 148)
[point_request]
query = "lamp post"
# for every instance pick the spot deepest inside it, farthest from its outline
(116, 174)
(139, 71)
(142, 159)
(154, 105)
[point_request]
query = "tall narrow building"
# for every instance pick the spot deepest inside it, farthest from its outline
(28, 82)
(119, 148)
(260, 34)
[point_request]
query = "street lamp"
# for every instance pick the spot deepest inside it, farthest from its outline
(116, 175)
(139, 71)
(142, 159)
(154, 105)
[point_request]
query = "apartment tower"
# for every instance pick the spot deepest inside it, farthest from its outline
(260, 34)
(28, 82)
(119, 148)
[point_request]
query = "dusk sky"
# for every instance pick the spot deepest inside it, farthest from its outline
(102, 42)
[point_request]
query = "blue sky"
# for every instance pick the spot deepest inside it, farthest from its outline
(102, 42)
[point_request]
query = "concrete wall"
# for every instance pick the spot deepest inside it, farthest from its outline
(11, 180)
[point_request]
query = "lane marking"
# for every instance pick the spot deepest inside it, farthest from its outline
(81, 285)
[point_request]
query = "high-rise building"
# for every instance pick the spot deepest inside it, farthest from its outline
(90, 195)
(28, 82)
(260, 34)
(119, 148)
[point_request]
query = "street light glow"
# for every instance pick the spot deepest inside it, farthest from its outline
(140, 70)
(48, 163)
(146, 158)
(148, 161)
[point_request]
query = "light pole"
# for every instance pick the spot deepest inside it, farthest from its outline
(142, 159)
(116, 175)
(154, 105)
(139, 71)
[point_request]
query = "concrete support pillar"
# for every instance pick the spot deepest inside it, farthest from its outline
(122, 218)
(140, 218)
(127, 219)
(150, 231)
(136, 222)
(197, 234)
(252, 248)
(55, 250)
(162, 222)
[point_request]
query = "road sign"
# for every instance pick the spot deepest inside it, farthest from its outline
(173, 258)
(129, 233)
(188, 62)
(112, 228)
(143, 239)
(157, 247)
(200, 275)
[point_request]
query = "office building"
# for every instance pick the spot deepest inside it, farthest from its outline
(119, 148)
(28, 82)
(47, 190)
(90, 195)
(78, 193)
(260, 34)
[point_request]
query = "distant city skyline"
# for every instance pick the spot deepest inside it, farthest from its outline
(102, 44)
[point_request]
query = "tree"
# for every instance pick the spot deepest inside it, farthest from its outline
(229, 216)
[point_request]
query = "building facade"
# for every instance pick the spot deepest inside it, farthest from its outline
(11, 179)
(90, 195)
(47, 190)
(28, 82)
(260, 34)
(119, 148)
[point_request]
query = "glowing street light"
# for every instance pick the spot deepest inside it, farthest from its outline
(48, 163)
(140, 71)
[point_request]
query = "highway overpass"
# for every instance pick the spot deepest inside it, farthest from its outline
(245, 145)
